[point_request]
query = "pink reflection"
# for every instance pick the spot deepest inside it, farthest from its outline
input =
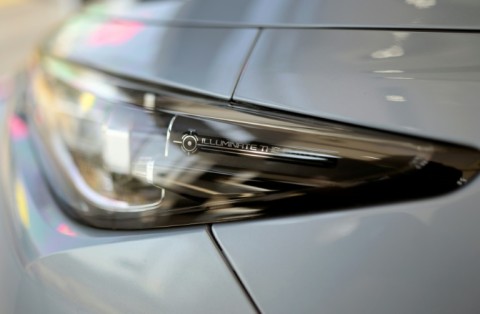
(65, 229)
(18, 128)
(115, 33)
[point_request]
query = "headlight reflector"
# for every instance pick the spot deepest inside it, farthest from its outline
(124, 154)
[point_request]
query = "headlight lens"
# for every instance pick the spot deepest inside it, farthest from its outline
(123, 154)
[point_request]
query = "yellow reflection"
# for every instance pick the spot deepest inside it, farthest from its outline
(42, 92)
(6, 3)
(22, 204)
(87, 100)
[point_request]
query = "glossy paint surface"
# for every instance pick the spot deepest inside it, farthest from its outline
(51, 264)
(305, 13)
(420, 83)
(415, 257)
(206, 60)
(421, 257)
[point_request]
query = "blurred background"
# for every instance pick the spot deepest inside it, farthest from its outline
(23, 23)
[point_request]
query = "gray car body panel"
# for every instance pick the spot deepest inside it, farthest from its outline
(417, 257)
(52, 264)
(203, 60)
(419, 83)
(418, 14)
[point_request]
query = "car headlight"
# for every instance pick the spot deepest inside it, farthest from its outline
(121, 153)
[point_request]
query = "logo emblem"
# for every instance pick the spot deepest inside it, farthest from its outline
(190, 142)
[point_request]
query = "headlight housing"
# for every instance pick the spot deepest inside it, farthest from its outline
(125, 154)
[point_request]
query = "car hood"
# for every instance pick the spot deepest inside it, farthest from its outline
(410, 68)
(411, 14)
